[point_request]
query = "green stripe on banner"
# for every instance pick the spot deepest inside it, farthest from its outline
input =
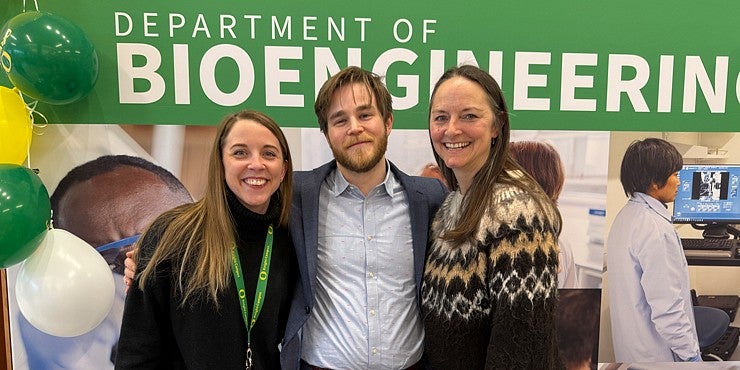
(563, 65)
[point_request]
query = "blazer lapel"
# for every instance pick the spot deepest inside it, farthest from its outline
(419, 215)
(310, 214)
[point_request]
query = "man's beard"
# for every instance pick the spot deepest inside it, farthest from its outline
(362, 162)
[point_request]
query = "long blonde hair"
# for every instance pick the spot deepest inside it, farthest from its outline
(197, 237)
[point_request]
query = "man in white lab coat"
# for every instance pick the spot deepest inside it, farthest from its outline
(649, 295)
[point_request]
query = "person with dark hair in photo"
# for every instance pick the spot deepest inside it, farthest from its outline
(217, 276)
(107, 202)
(120, 190)
(542, 161)
(578, 327)
(489, 291)
(652, 316)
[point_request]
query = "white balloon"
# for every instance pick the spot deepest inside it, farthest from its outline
(65, 288)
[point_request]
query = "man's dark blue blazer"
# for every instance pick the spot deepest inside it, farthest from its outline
(425, 195)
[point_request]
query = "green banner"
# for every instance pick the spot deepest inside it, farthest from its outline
(563, 65)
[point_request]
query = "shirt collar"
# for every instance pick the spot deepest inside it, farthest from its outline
(339, 184)
(656, 205)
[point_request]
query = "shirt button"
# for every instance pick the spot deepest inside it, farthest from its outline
(375, 351)
(369, 237)
(372, 312)
(372, 275)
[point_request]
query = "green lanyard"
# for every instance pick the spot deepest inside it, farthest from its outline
(259, 293)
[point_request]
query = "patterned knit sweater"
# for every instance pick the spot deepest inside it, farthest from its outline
(491, 304)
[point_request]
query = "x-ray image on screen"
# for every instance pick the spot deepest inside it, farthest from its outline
(710, 185)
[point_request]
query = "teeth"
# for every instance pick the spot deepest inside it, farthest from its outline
(456, 145)
(253, 181)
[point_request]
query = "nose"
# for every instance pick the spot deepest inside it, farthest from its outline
(452, 128)
(256, 163)
(355, 127)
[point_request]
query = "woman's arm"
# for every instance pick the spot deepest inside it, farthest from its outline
(522, 280)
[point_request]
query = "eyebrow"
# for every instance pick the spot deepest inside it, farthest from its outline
(337, 114)
(266, 146)
(463, 110)
(438, 111)
(342, 112)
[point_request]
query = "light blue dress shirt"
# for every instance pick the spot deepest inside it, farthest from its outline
(366, 315)
(649, 293)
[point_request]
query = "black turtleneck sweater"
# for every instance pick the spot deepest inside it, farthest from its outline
(159, 334)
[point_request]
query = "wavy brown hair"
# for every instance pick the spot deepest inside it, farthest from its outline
(197, 238)
(499, 167)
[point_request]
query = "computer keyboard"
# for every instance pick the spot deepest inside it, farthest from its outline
(708, 244)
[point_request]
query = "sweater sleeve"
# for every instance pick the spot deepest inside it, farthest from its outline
(146, 333)
(522, 282)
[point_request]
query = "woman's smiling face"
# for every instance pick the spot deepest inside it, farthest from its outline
(461, 127)
(254, 165)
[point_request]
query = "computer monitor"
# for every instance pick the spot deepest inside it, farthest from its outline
(708, 198)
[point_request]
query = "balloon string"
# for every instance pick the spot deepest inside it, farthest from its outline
(36, 4)
(28, 154)
(31, 110)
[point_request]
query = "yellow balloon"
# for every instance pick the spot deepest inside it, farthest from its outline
(15, 127)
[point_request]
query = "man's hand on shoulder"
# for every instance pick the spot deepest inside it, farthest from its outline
(130, 268)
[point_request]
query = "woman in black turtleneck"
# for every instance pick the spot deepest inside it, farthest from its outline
(183, 310)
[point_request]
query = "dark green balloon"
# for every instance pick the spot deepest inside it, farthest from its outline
(48, 57)
(25, 212)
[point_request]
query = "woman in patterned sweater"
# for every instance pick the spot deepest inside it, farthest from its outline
(490, 282)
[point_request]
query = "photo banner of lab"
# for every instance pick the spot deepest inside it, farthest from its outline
(698, 150)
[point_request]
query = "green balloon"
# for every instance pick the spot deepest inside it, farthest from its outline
(48, 57)
(25, 213)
